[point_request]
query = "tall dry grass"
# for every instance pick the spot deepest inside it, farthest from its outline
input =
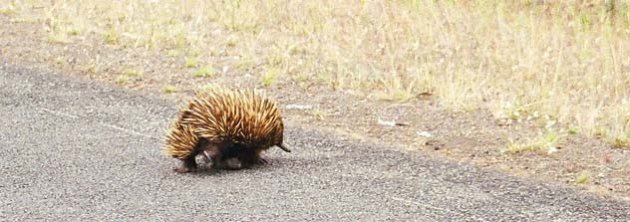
(566, 61)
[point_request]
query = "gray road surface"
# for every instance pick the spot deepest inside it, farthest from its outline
(74, 150)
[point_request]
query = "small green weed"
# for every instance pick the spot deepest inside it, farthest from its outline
(621, 142)
(168, 89)
(318, 114)
(206, 71)
(191, 62)
(545, 143)
(582, 178)
(134, 73)
(122, 79)
(59, 38)
(111, 37)
(270, 76)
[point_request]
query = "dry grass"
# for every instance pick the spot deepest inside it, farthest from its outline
(565, 61)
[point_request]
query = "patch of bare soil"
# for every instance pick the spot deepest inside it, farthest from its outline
(473, 137)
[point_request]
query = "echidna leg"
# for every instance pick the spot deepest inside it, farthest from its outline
(251, 157)
(219, 153)
(188, 165)
(259, 159)
(230, 164)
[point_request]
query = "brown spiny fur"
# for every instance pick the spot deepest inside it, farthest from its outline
(225, 124)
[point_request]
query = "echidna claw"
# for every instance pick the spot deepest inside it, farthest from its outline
(207, 156)
(284, 148)
(262, 161)
(183, 170)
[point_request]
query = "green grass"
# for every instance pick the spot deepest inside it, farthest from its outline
(169, 89)
(93, 66)
(58, 38)
(245, 63)
(111, 37)
(8, 11)
(191, 62)
(122, 79)
(206, 71)
(318, 114)
(545, 143)
(621, 143)
(134, 72)
(582, 178)
(60, 60)
(270, 76)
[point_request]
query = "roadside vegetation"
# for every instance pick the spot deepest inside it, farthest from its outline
(565, 61)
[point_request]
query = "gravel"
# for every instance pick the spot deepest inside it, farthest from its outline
(76, 150)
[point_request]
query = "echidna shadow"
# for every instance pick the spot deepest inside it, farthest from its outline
(230, 128)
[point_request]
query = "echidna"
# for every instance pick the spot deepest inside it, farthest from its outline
(229, 127)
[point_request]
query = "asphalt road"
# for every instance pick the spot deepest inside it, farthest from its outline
(75, 150)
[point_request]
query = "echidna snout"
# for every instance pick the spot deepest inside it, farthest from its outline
(284, 147)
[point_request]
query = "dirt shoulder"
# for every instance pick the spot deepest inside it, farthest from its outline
(419, 125)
